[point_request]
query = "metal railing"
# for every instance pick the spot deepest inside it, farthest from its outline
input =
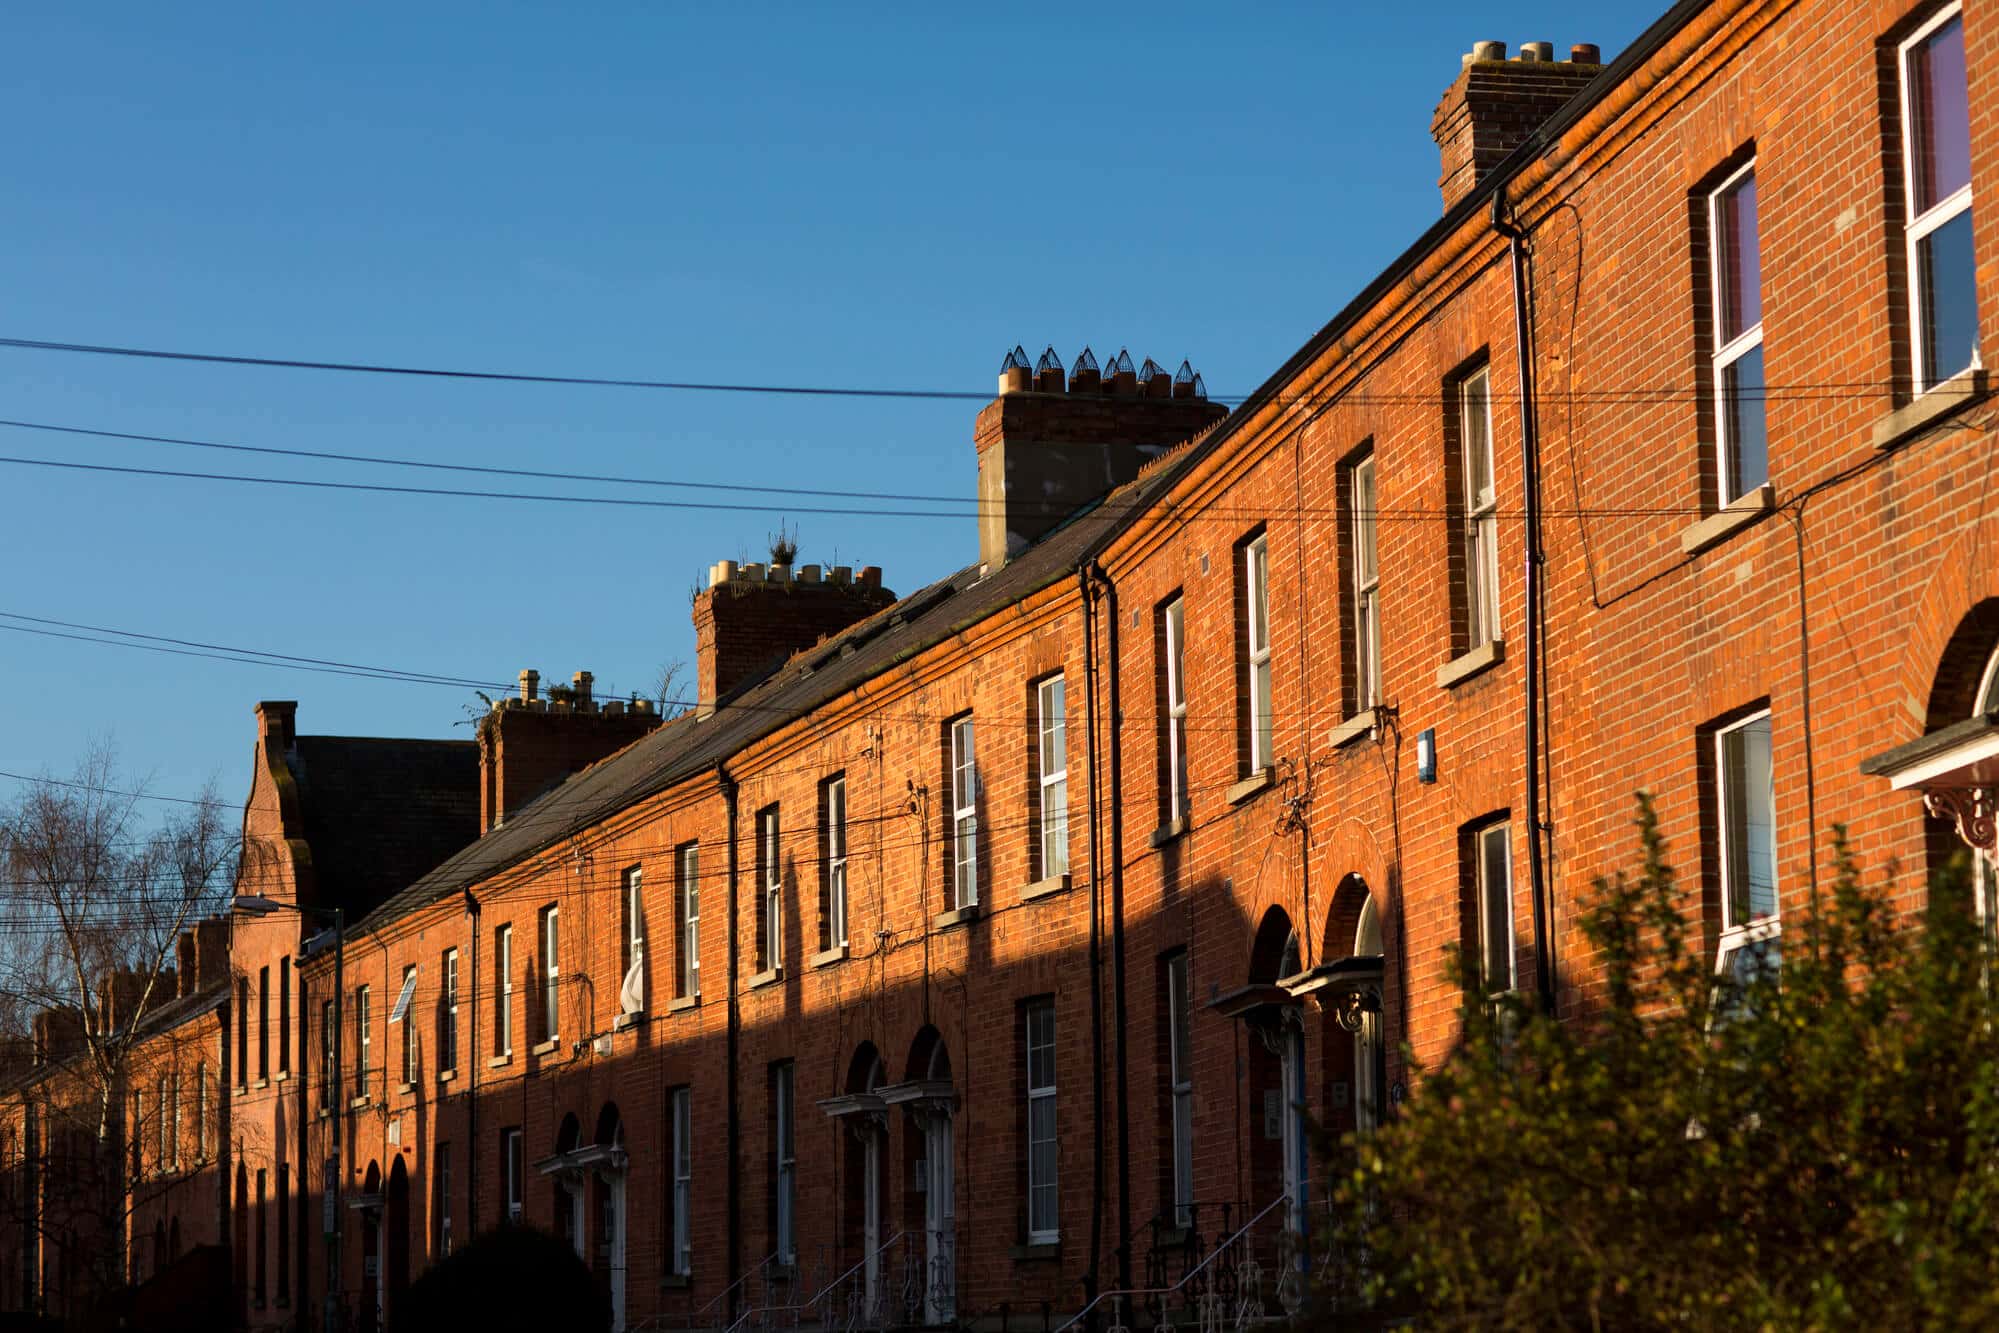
(919, 1290)
(1225, 1289)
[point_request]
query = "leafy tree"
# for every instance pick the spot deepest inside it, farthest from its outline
(1816, 1148)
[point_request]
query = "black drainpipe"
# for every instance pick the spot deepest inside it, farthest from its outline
(735, 1198)
(1091, 1283)
(1530, 485)
(1115, 720)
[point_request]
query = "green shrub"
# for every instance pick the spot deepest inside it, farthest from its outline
(1804, 1151)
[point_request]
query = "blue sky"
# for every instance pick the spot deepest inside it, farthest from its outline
(875, 197)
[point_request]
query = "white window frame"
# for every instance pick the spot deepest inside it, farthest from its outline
(1256, 585)
(165, 1158)
(1481, 512)
(786, 1162)
(1500, 831)
(173, 1139)
(680, 1258)
(634, 942)
(1180, 1076)
(408, 1026)
(1756, 930)
(138, 1133)
(1363, 497)
(503, 1021)
(1049, 1230)
(447, 1054)
(770, 841)
(364, 1044)
(687, 863)
(1176, 709)
(1750, 339)
(201, 1112)
(512, 1164)
(1052, 750)
(551, 972)
(834, 808)
(1919, 225)
(964, 813)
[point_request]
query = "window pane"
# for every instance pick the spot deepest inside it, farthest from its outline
(1263, 750)
(1055, 828)
(1496, 892)
(1751, 822)
(1478, 441)
(1738, 263)
(1363, 520)
(1747, 442)
(1053, 733)
(1948, 294)
(1259, 595)
(1940, 139)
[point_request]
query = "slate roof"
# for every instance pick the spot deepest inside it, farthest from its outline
(380, 813)
(787, 691)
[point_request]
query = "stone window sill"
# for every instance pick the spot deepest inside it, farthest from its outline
(261, 1084)
(1170, 831)
(1249, 786)
(446, 1075)
(359, 1103)
(1745, 509)
(405, 1089)
(545, 1047)
(676, 1282)
(1937, 403)
(1046, 888)
(828, 957)
(623, 1021)
(1036, 1252)
(680, 1004)
(500, 1061)
(1462, 668)
(281, 1076)
(963, 916)
(1351, 730)
(770, 976)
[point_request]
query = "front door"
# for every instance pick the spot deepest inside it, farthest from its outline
(1294, 1136)
(939, 1222)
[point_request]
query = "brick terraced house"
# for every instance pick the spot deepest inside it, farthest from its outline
(966, 956)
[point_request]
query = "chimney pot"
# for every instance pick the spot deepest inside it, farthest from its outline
(751, 573)
(1537, 50)
(581, 683)
(843, 574)
(808, 573)
(1488, 50)
(1586, 53)
(871, 576)
(530, 684)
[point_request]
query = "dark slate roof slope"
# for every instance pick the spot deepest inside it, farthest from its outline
(379, 813)
(789, 690)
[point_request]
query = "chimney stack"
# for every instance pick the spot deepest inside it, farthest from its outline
(1495, 104)
(751, 617)
(529, 743)
(1046, 449)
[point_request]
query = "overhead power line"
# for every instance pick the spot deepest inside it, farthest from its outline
(1653, 394)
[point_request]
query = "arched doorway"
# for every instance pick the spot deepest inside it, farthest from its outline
(930, 1099)
(396, 1223)
(1354, 1050)
(370, 1207)
(607, 1175)
(867, 1124)
(1277, 1070)
(568, 1219)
